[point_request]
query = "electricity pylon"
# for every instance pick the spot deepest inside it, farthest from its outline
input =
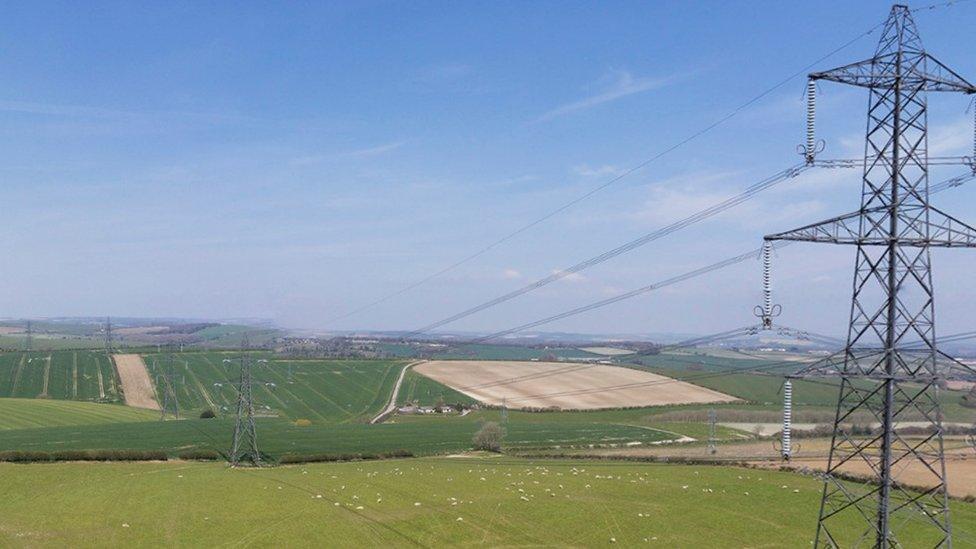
(890, 367)
(244, 447)
(167, 385)
(108, 335)
(29, 341)
(712, 439)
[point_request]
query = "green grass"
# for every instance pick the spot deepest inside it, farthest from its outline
(69, 375)
(336, 391)
(230, 336)
(17, 413)
(417, 502)
(423, 436)
(427, 392)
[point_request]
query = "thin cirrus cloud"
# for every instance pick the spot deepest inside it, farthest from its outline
(367, 152)
(624, 84)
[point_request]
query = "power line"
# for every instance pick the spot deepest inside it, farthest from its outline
(692, 219)
(938, 187)
(691, 137)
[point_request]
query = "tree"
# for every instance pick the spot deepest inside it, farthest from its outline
(489, 437)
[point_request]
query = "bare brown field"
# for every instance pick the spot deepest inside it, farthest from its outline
(812, 454)
(141, 330)
(569, 386)
(136, 385)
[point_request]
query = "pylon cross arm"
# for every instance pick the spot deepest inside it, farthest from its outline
(922, 72)
(869, 228)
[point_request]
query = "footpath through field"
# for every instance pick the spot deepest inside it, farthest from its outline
(391, 406)
(137, 387)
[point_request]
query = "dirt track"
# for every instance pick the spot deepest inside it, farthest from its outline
(136, 385)
(564, 385)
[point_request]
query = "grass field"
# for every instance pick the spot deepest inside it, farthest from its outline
(765, 389)
(427, 392)
(427, 436)
(62, 375)
(417, 502)
(318, 390)
(20, 413)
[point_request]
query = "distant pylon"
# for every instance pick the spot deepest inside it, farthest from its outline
(712, 439)
(108, 335)
(29, 341)
(167, 387)
(244, 447)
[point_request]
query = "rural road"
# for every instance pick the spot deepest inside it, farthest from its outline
(393, 397)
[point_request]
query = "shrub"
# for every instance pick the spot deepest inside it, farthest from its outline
(84, 455)
(200, 455)
(207, 414)
(489, 437)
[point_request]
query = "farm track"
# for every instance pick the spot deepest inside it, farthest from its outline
(74, 376)
(47, 378)
(16, 380)
(393, 397)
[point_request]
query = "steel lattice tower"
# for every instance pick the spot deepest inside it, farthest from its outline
(29, 340)
(167, 384)
(244, 447)
(890, 368)
(108, 335)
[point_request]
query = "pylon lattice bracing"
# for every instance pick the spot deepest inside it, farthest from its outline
(891, 364)
(244, 447)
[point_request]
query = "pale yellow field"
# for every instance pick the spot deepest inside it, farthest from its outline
(568, 386)
(136, 385)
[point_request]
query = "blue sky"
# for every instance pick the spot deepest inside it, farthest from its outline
(294, 161)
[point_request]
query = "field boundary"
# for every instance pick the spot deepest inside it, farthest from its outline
(391, 406)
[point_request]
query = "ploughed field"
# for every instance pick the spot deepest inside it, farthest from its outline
(414, 502)
(572, 386)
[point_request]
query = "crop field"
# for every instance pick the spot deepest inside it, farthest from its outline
(415, 502)
(318, 390)
(424, 391)
(564, 385)
(422, 436)
(62, 375)
(22, 413)
(765, 389)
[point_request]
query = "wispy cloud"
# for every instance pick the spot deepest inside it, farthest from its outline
(606, 170)
(511, 274)
(367, 152)
(622, 84)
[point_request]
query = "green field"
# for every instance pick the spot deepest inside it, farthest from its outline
(422, 436)
(20, 413)
(417, 502)
(319, 390)
(424, 391)
(62, 375)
